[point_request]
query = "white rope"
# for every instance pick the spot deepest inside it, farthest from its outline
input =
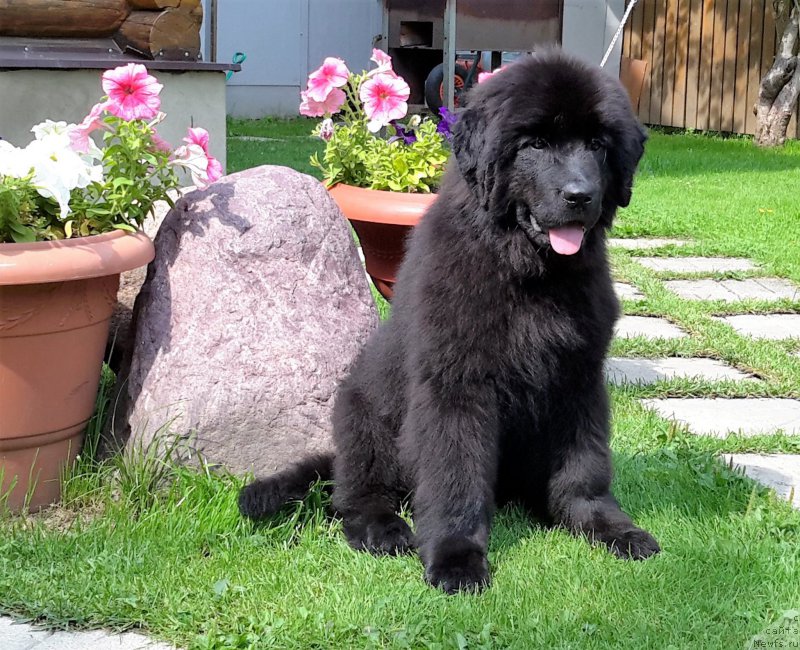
(622, 22)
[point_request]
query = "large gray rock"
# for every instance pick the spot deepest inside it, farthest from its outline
(253, 309)
(120, 340)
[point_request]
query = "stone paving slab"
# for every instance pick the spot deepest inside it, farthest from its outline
(734, 290)
(627, 291)
(765, 326)
(23, 636)
(696, 264)
(647, 326)
(623, 370)
(719, 416)
(781, 472)
(644, 244)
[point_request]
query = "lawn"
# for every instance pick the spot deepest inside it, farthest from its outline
(156, 546)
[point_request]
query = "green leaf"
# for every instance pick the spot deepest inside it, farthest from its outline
(22, 234)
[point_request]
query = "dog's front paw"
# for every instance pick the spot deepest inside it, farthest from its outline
(386, 534)
(633, 544)
(459, 565)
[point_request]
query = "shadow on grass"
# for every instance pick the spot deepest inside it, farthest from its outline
(651, 487)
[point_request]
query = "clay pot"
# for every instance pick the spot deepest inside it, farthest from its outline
(382, 221)
(56, 299)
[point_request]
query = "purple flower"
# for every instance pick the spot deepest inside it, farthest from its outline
(407, 135)
(445, 126)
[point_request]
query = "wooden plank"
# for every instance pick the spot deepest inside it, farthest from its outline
(729, 67)
(670, 46)
(657, 76)
(704, 72)
(717, 66)
(681, 62)
(74, 19)
(186, 5)
(647, 8)
(754, 61)
(693, 62)
(742, 45)
(768, 40)
(635, 22)
(627, 34)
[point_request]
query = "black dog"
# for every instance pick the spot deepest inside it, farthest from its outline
(486, 385)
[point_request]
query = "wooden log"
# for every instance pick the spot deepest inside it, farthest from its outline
(62, 18)
(155, 5)
(169, 34)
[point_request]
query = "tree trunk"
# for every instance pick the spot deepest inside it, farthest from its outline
(74, 18)
(169, 34)
(780, 87)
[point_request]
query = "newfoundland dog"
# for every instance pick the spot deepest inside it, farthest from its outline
(486, 385)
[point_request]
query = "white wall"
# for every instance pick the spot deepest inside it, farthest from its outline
(589, 26)
(188, 98)
(284, 40)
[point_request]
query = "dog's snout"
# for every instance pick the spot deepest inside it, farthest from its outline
(577, 194)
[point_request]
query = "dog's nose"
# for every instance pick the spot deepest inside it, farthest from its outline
(576, 194)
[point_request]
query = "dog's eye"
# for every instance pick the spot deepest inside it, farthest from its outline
(596, 144)
(539, 143)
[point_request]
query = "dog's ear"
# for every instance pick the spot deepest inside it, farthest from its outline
(477, 146)
(627, 152)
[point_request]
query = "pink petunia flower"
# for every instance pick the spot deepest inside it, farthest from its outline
(333, 73)
(214, 169)
(160, 143)
(384, 62)
(384, 97)
(198, 136)
(326, 129)
(483, 76)
(194, 156)
(333, 102)
(79, 134)
(132, 92)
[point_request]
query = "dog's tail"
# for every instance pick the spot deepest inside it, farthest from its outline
(266, 496)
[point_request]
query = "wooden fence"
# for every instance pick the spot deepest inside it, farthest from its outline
(705, 60)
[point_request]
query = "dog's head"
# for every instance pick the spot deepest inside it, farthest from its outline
(550, 145)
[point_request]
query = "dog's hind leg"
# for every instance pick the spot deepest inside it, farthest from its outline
(579, 490)
(367, 482)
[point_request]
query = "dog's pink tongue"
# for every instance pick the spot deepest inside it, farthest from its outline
(566, 240)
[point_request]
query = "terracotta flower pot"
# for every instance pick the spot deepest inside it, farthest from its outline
(56, 299)
(382, 221)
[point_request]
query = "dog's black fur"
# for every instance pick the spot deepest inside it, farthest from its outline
(486, 384)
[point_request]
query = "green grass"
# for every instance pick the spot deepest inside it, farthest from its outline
(150, 544)
(272, 141)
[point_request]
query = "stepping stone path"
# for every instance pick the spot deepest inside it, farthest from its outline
(734, 290)
(627, 291)
(765, 326)
(719, 416)
(779, 471)
(696, 264)
(645, 244)
(647, 371)
(22, 636)
(647, 326)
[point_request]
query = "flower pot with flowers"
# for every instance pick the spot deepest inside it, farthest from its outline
(379, 170)
(70, 213)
